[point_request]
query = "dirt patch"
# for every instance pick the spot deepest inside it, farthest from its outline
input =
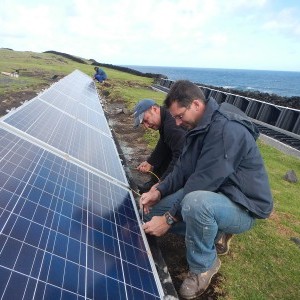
(11, 100)
(14, 100)
(283, 230)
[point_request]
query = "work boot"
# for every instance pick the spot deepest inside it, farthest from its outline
(196, 284)
(144, 188)
(222, 245)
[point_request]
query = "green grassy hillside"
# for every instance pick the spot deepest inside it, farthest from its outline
(37, 70)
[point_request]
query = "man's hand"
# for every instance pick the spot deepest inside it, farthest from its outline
(144, 167)
(149, 199)
(156, 226)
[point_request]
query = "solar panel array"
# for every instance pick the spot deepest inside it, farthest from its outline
(69, 227)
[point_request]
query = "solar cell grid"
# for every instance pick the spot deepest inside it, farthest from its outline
(63, 102)
(92, 118)
(32, 110)
(70, 136)
(68, 231)
(59, 97)
(78, 87)
(77, 232)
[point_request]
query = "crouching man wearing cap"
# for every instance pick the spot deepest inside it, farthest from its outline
(169, 146)
(218, 187)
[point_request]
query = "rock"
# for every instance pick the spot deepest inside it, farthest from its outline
(107, 84)
(290, 176)
(296, 240)
(105, 93)
(118, 111)
(126, 111)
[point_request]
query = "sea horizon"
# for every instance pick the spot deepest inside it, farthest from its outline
(209, 68)
(282, 83)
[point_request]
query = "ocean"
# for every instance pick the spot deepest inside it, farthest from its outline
(282, 83)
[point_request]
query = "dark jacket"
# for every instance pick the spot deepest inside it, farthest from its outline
(170, 143)
(221, 155)
(101, 73)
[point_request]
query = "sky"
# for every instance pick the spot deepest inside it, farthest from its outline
(233, 34)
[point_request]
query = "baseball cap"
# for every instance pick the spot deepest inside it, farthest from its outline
(139, 110)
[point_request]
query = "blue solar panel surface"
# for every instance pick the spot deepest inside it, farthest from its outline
(69, 135)
(66, 232)
(90, 114)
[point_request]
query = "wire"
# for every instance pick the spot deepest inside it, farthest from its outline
(154, 175)
(135, 192)
(149, 172)
(142, 208)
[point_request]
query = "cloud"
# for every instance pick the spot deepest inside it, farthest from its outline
(285, 22)
(243, 4)
(152, 32)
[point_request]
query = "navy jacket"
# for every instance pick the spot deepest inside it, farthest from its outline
(100, 72)
(221, 155)
(170, 143)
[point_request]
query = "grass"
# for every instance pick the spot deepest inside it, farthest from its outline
(131, 91)
(263, 263)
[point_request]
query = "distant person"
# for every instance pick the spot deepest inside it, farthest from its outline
(218, 187)
(169, 146)
(100, 75)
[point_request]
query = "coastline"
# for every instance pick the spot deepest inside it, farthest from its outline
(291, 102)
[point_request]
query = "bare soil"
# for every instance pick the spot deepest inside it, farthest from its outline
(14, 100)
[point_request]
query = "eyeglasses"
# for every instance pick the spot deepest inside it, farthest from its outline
(180, 116)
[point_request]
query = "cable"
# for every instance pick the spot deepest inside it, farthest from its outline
(148, 172)
(154, 175)
(135, 192)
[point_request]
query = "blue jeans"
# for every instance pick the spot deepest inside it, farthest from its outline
(100, 78)
(206, 215)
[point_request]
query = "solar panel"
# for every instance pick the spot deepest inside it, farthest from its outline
(68, 230)
(68, 132)
(70, 135)
(83, 111)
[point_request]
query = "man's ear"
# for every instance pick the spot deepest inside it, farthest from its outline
(155, 108)
(198, 104)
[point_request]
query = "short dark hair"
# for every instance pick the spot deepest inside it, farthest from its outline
(184, 92)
